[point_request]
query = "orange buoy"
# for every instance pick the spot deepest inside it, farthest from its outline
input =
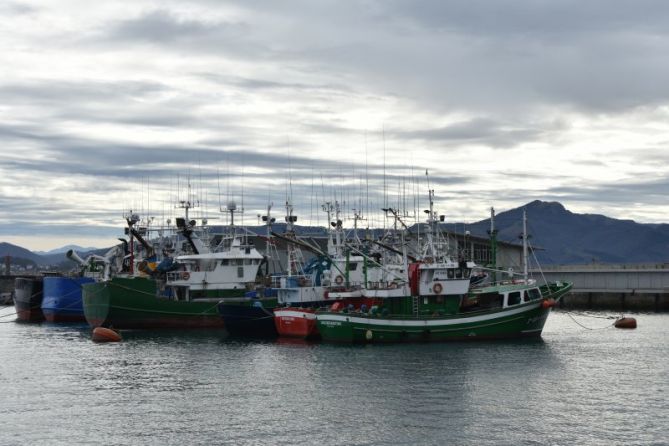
(102, 334)
(548, 303)
(625, 322)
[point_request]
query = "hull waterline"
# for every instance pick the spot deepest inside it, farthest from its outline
(124, 303)
(515, 321)
(28, 295)
(62, 299)
(296, 322)
(249, 318)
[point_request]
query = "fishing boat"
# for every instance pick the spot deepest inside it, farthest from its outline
(251, 316)
(28, 294)
(502, 310)
(335, 276)
(177, 292)
(62, 300)
(440, 305)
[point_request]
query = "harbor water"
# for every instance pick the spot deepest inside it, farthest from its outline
(573, 386)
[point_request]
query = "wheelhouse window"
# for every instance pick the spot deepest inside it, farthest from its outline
(225, 262)
(513, 298)
(450, 272)
(535, 294)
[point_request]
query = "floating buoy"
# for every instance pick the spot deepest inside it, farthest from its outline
(369, 335)
(102, 334)
(548, 303)
(625, 322)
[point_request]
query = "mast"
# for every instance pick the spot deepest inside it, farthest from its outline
(268, 219)
(493, 245)
(525, 266)
(430, 249)
(292, 253)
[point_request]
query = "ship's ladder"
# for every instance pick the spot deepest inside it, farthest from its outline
(415, 305)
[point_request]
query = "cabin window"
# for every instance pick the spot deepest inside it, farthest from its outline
(225, 262)
(468, 272)
(240, 271)
(450, 273)
(458, 273)
(513, 299)
(526, 296)
(248, 262)
(247, 250)
(352, 266)
(535, 294)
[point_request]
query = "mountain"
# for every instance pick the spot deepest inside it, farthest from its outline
(564, 237)
(64, 249)
(560, 236)
(7, 249)
(21, 255)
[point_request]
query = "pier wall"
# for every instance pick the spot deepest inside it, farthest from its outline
(621, 287)
(657, 302)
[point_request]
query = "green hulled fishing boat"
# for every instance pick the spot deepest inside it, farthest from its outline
(137, 302)
(179, 292)
(499, 311)
(438, 302)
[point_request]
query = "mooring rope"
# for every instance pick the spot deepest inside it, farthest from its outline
(590, 328)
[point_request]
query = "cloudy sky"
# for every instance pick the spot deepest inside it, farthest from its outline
(118, 105)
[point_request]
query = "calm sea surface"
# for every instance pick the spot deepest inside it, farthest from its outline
(575, 386)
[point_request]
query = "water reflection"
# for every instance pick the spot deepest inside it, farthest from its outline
(169, 386)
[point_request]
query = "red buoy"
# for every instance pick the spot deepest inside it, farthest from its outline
(625, 322)
(102, 334)
(548, 303)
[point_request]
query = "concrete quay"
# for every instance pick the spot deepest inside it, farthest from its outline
(620, 287)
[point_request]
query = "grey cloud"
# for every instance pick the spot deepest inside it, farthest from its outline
(164, 27)
(487, 131)
(15, 8)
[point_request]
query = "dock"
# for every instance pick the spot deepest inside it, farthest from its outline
(615, 287)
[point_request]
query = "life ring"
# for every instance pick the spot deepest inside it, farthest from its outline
(185, 275)
(339, 280)
(437, 288)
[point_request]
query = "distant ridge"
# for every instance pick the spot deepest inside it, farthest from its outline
(64, 249)
(56, 258)
(569, 238)
(563, 236)
(7, 249)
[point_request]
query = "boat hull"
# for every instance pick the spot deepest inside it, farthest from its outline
(300, 322)
(249, 317)
(28, 295)
(124, 303)
(62, 299)
(525, 321)
(296, 322)
(515, 321)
